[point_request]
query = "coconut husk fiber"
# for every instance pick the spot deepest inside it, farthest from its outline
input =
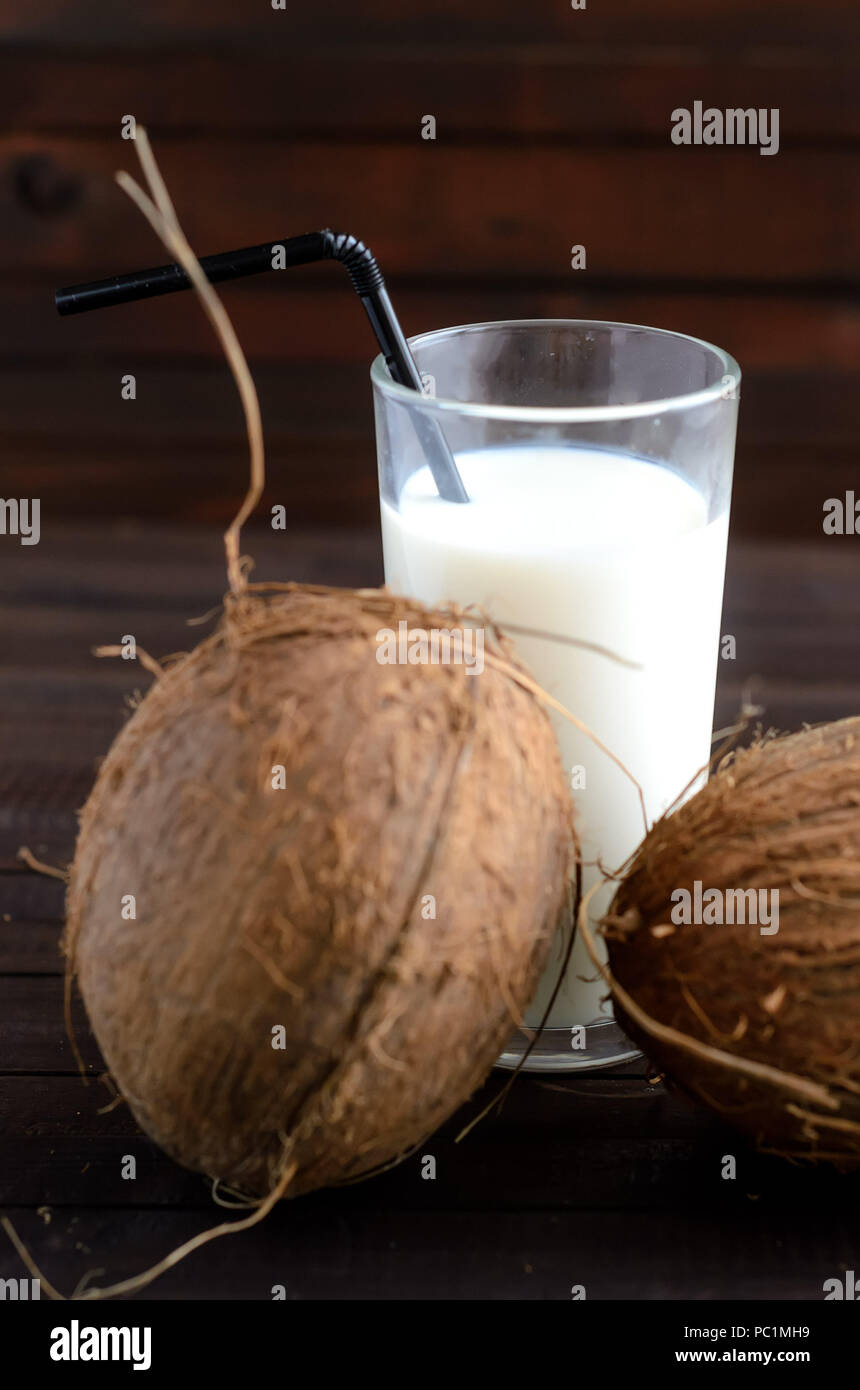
(305, 908)
(767, 1027)
(292, 984)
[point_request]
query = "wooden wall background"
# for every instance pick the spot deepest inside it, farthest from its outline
(552, 129)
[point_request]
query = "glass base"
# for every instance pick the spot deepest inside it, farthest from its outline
(605, 1046)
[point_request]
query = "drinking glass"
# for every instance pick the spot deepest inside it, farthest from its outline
(598, 462)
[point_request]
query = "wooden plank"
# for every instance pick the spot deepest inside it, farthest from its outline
(186, 403)
(785, 706)
(585, 1145)
(495, 210)
(328, 480)
(724, 24)
(75, 633)
(26, 897)
(92, 583)
(43, 783)
(29, 948)
(780, 489)
(289, 321)
(49, 836)
(32, 1031)
(582, 91)
(395, 1255)
(176, 571)
(312, 408)
(61, 1150)
(179, 451)
(90, 580)
(809, 644)
(779, 492)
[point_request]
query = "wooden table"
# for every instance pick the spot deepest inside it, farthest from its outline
(609, 1181)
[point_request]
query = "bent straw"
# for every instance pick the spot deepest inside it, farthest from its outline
(367, 282)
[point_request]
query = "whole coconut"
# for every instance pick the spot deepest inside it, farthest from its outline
(774, 1019)
(344, 878)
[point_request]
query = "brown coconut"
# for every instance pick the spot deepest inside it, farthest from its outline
(775, 1018)
(301, 916)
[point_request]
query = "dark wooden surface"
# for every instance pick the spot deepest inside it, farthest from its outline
(608, 1181)
(552, 130)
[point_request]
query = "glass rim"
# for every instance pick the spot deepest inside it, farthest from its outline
(563, 414)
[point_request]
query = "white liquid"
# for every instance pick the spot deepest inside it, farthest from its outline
(604, 548)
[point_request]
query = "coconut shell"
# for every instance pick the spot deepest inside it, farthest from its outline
(301, 916)
(785, 815)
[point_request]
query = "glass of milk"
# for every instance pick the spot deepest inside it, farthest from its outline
(598, 462)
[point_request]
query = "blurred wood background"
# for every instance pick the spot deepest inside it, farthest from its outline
(552, 130)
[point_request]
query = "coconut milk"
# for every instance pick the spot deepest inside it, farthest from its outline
(594, 547)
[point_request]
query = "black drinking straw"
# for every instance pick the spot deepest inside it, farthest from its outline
(367, 281)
